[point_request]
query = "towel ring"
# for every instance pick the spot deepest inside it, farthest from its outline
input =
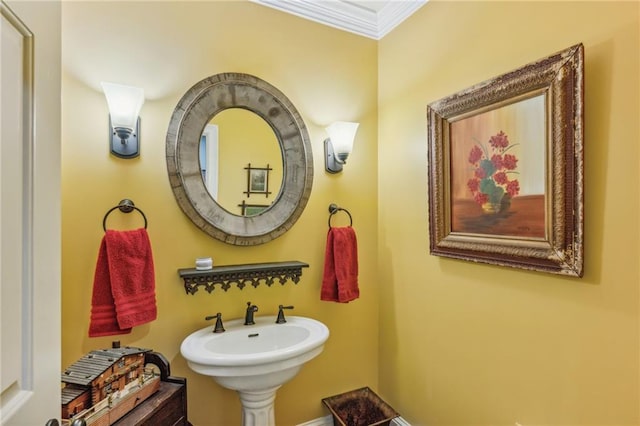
(333, 209)
(125, 206)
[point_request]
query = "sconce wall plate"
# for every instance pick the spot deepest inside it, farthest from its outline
(129, 148)
(330, 163)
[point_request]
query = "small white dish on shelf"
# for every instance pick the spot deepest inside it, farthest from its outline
(204, 263)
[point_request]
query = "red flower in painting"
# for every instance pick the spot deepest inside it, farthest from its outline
(499, 141)
(480, 173)
(475, 155)
(497, 161)
(492, 165)
(481, 198)
(513, 188)
(500, 178)
(473, 185)
(510, 162)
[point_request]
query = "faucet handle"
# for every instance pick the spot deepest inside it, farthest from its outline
(281, 319)
(219, 327)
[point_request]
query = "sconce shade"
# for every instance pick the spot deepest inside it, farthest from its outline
(342, 134)
(339, 145)
(124, 103)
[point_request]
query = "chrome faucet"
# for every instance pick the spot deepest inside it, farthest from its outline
(248, 318)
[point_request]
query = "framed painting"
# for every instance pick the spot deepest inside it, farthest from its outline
(506, 168)
(252, 209)
(257, 180)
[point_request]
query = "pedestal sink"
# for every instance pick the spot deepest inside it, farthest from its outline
(255, 360)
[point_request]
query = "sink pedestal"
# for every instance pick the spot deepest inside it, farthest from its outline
(258, 407)
(258, 394)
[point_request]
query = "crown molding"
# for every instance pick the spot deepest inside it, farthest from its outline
(349, 15)
(394, 12)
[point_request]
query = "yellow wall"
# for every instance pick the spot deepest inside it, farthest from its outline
(463, 343)
(453, 342)
(166, 47)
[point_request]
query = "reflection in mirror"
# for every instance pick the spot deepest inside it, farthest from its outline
(240, 145)
(209, 164)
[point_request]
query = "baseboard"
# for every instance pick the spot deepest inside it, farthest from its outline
(328, 421)
(399, 421)
(321, 421)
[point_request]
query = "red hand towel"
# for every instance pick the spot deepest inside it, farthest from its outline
(103, 309)
(329, 290)
(125, 267)
(340, 278)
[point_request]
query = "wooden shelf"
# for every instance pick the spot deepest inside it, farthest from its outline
(241, 275)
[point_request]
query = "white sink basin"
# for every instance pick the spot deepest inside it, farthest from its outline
(255, 360)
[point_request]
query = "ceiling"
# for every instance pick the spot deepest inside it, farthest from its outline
(373, 19)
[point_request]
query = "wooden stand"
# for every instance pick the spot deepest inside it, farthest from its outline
(167, 407)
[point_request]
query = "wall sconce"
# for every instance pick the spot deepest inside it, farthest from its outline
(339, 145)
(124, 103)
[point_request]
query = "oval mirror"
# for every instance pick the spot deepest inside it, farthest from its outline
(195, 110)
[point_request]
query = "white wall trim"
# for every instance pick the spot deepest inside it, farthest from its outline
(349, 16)
(399, 421)
(321, 421)
(393, 13)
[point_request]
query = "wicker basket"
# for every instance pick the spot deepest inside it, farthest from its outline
(359, 407)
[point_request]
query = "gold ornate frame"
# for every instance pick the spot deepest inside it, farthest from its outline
(559, 79)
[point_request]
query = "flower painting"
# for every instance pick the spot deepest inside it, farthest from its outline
(493, 167)
(505, 168)
(497, 171)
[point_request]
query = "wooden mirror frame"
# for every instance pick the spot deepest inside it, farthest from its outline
(195, 109)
